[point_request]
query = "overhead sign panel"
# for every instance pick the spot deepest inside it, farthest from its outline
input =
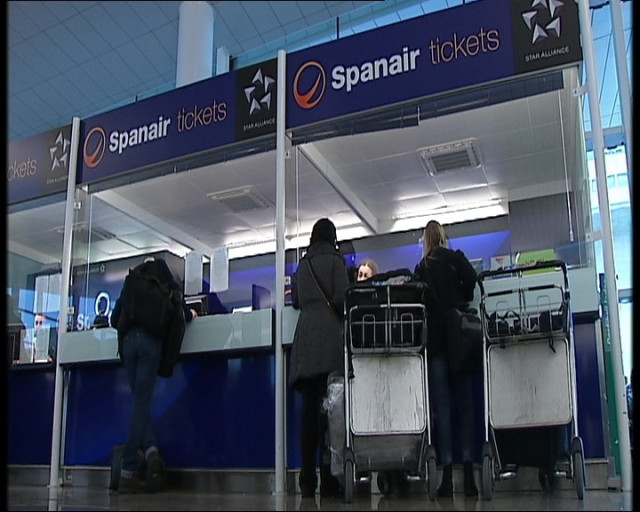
(464, 46)
(199, 117)
(38, 166)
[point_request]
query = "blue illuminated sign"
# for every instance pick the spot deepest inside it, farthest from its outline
(203, 116)
(39, 165)
(471, 44)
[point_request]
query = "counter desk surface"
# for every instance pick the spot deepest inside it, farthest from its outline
(211, 333)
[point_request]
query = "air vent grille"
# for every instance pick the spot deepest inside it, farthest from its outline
(242, 199)
(452, 156)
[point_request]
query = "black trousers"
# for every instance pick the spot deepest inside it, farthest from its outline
(314, 430)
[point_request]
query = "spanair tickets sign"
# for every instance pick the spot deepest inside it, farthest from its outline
(464, 46)
(38, 166)
(196, 118)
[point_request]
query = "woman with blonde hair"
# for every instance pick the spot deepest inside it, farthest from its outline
(451, 280)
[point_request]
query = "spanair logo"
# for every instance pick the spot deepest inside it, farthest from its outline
(59, 153)
(95, 144)
(543, 19)
(309, 85)
(259, 94)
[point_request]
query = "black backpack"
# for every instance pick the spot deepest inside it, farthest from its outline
(151, 300)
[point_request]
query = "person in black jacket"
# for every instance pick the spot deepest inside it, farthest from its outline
(317, 349)
(451, 280)
(141, 355)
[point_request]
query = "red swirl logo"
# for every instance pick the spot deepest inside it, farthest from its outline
(94, 145)
(311, 73)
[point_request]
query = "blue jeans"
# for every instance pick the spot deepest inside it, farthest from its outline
(141, 354)
(442, 392)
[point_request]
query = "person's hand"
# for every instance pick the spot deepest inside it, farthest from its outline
(194, 313)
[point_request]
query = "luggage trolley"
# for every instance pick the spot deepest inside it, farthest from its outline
(529, 376)
(386, 397)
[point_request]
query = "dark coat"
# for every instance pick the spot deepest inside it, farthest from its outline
(451, 280)
(318, 343)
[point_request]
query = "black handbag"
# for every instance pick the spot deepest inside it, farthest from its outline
(464, 340)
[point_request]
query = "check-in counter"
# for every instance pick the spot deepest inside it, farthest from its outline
(215, 412)
(234, 331)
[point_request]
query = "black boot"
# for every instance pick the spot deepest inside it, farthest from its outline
(470, 488)
(446, 485)
(329, 484)
(308, 482)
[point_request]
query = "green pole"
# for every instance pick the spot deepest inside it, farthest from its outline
(609, 378)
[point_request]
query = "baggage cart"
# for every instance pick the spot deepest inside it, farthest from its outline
(529, 376)
(386, 398)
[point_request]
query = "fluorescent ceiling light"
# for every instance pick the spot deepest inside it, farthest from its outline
(450, 215)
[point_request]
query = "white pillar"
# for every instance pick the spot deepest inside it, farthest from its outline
(280, 420)
(222, 60)
(195, 43)
(624, 90)
(607, 245)
(63, 316)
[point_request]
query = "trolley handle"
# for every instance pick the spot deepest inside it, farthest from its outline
(537, 265)
(534, 288)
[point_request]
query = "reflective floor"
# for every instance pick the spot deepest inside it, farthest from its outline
(90, 498)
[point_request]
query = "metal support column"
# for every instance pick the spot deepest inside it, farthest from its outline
(607, 243)
(280, 420)
(57, 430)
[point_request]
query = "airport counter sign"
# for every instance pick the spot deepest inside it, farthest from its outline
(196, 118)
(38, 166)
(460, 47)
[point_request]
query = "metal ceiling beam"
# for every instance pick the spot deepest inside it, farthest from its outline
(133, 210)
(323, 166)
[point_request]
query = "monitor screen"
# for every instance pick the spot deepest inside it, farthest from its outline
(198, 302)
(15, 337)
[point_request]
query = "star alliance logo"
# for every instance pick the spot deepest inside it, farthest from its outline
(58, 152)
(543, 19)
(258, 94)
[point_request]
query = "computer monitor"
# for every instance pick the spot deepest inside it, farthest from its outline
(198, 302)
(15, 338)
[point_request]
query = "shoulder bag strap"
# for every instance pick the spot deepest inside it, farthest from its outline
(330, 303)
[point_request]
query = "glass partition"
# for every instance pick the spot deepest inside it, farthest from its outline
(211, 219)
(35, 232)
(502, 167)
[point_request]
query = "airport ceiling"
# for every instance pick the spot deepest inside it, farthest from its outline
(71, 59)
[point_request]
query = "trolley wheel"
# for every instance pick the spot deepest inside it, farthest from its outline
(547, 478)
(348, 481)
(386, 482)
(488, 475)
(577, 460)
(432, 473)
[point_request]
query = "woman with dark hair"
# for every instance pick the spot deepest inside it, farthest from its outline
(367, 269)
(318, 289)
(451, 280)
